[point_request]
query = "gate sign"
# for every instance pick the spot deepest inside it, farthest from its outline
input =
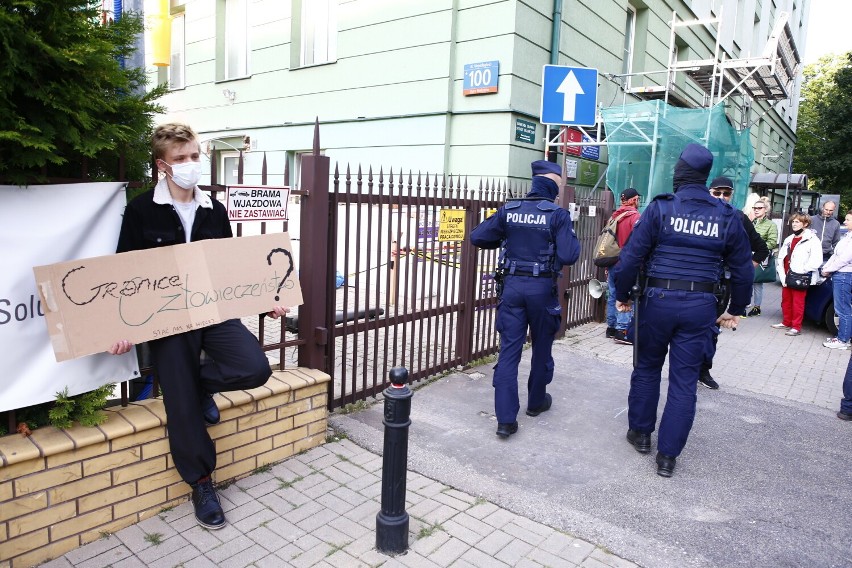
(451, 227)
(257, 203)
(481, 78)
(569, 95)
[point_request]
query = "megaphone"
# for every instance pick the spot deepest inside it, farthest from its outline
(596, 289)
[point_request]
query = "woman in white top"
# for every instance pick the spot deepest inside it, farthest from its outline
(840, 266)
(801, 252)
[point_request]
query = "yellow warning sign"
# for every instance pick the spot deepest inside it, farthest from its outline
(451, 227)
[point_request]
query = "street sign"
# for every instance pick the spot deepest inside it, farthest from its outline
(481, 78)
(569, 95)
(524, 131)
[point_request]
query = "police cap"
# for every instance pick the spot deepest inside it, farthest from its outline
(541, 167)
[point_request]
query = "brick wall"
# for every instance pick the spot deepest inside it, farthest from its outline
(60, 489)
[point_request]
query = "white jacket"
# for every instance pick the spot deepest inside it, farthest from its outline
(807, 256)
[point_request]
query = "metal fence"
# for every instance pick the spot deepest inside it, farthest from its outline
(409, 298)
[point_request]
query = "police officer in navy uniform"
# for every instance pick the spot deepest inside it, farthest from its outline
(681, 242)
(537, 238)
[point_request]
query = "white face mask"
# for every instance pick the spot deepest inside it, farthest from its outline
(187, 174)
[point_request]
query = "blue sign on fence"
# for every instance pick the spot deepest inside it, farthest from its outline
(569, 95)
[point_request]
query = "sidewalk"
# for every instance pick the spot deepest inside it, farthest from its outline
(763, 480)
(319, 509)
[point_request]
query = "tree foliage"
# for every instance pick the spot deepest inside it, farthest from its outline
(824, 148)
(66, 103)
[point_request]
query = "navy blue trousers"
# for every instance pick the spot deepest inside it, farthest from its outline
(234, 361)
(682, 324)
(527, 303)
(846, 401)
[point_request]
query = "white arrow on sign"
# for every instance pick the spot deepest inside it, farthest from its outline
(570, 88)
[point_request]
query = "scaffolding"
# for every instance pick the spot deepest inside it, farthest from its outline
(644, 139)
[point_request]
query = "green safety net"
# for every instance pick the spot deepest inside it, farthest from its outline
(645, 139)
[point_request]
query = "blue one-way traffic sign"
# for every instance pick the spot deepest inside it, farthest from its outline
(569, 95)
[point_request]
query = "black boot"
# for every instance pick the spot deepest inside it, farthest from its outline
(208, 510)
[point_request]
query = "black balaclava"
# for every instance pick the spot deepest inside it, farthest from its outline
(543, 187)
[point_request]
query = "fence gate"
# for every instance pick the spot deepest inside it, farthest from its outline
(409, 298)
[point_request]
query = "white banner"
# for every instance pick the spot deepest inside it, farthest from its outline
(43, 225)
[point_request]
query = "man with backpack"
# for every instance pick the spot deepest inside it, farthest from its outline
(624, 218)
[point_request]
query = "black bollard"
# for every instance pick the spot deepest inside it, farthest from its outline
(392, 520)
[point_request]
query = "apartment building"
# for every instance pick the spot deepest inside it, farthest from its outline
(455, 86)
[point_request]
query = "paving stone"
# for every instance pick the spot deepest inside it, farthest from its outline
(244, 558)
(163, 548)
(482, 510)
(254, 520)
(272, 561)
(523, 533)
(109, 557)
(175, 558)
(448, 552)
(307, 510)
(341, 476)
(513, 552)
(133, 533)
(312, 556)
(349, 527)
(342, 559)
(334, 504)
(265, 488)
(157, 525)
(577, 551)
(494, 543)
(542, 557)
(131, 562)
(228, 549)
(199, 562)
(478, 558)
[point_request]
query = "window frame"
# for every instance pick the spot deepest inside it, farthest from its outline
(318, 27)
(629, 45)
(181, 51)
(230, 42)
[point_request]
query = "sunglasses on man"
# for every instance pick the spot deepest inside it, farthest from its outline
(721, 192)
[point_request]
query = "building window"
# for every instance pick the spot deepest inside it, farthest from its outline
(236, 39)
(629, 40)
(318, 32)
(177, 64)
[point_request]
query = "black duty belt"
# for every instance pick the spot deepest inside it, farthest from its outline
(680, 285)
(528, 273)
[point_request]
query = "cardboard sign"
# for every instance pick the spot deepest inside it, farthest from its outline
(141, 295)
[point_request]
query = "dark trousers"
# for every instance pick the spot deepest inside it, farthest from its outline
(846, 401)
(681, 324)
(235, 362)
(527, 303)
